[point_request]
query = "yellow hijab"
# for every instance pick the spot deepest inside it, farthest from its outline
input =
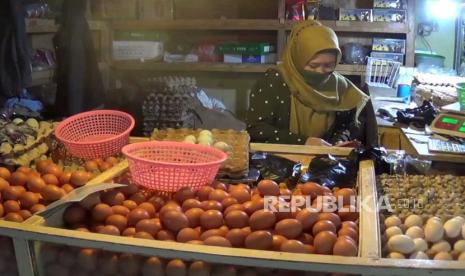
(313, 110)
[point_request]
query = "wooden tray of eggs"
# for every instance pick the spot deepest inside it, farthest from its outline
(234, 143)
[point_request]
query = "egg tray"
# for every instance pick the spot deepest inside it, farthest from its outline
(237, 164)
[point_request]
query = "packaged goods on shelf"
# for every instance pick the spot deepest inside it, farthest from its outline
(261, 48)
(389, 45)
(389, 4)
(388, 56)
(389, 15)
(356, 15)
(138, 46)
(261, 59)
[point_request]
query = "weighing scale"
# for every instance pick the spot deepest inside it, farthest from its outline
(451, 122)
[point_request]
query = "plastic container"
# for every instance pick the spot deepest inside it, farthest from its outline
(461, 95)
(169, 166)
(95, 134)
(429, 59)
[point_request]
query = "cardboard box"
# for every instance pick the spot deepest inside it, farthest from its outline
(258, 59)
(389, 45)
(138, 50)
(355, 15)
(389, 15)
(389, 56)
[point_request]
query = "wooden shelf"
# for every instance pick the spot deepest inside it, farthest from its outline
(360, 27)
(46, 26)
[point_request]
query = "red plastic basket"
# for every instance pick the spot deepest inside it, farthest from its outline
(95, 134)
(169, 166)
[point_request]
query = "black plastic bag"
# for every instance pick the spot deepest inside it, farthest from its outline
(276, 168)
(376, 154)
(329, 171)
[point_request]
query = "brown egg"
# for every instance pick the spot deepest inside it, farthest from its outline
(120, 210)
(24, 169)
(217, 241)
(324, 242)
(68, 188)
(289, 228)
(193, 216)
(190, 203)
(170, 206)
(165, 235)
(251, 206)
(37, 208)
(35, 184)
(350, 224)
(11, 206)
(50, 179)
(183, 194)
(18, 179)
(348, 213)
(104, 166)
(79, 178)
(293, 246)
(65, 178)
(153, 266)
(195, 242)
(149, 207)
(121, 222)
(87, 259)
(3, 184)
(25, 214)
(52, 193)
(28, 199)
(129, 232)
(218, 195)
(236, 237)
(96, 226)
(129, 204)
(247, 230)
(112, 160)
(53, 169)
(204, 192)
(113, 197)
(262, 240)
(278, 240)
(109, 230)
(157, 202)
(228, 202)
(285, 192)
(91, 166)
(212, 232)
(312, 189)
(199, 268)
(331, 217)
(74, 214)
(240, 194)
(174, 220)
(211, 219)
(5, 173)
(211, 205)
(323, 225)
(151, 226)
(307, 217)
(350, 232)
(41, 165)
(13, 192)
(236, 219)
(305, 238)
(176, 268)
(239, 207)
(101, 212)
(346, 195)
(14, 217)
(136, 215)
(187, 234)
(262, 220)
(143, 235)
(268, 188)
(345, 247)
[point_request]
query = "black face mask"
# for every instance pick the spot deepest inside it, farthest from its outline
(315, 78)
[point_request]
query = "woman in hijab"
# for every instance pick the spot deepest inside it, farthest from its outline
(303, 100)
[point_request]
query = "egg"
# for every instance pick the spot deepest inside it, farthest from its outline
(346, 196)
(218, 195)
(262, 220)
(5, 173)
(460, 219)
(440, 246)
(324, 242)
(217, 241)
(331, 217)
(18, 179)
(53, 169)
(211, 205)
(87, 259)
(392, 221)
(121, 222)
(28, 199)
(289, 228)
(101, 211)
(2, 211)
(211, 219)
(152, 266)
(323, 225)
(184, 194)
(204, 192)
(348, 213)
(237, 219)
(120, 210)
(293, 246)
(190, 139)
(401, 243)
(236, 237)
(193, 216)
(157, 202)
(50, 179)
(312, 189)
(420, 245)
(262, 240)
(52, 193)
(349, 232)
(10, 206)
(413, 220)
(212, 232)
(148, 207)
(233, 207)
(67, 188)
(113, 197)
(74, 214)
(240, 194)
(14, 217)
(187, 234)
(268, 188)
(461, 257)
(419, 255)
(393, 231)
(453, 228)
(174, 220)
(228, 202)
(198, 268)
(307, 217)
(434, 231)
(459, 246)
(433, 219)
(443, 256)
(37, 208)
(13, 192)
(205, 132)
(109, 230)
(129, 232)
(143, 235)
(345, 247)
(395, 255)
(129, 204)
(415, 232)
(205, 140)
(190, 203)
(251, 206)
(3, 184)
(176, 267)
(195, 242)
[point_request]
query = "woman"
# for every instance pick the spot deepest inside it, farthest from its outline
(302, 100)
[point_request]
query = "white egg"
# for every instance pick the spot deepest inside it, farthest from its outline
(440, 246)
(393, 231)
(222, 146)
(413, 220)
(419, 255)
(190, 138)
(459, 246)
(205, 132)
(395, 255)
(461, 219)
(434, 231)
(205, 140)
(420, 244)
(415, 232)
(433, 219)
(392, 221)
(443, 256)
(401, 243)
(461, 257)
(453, 227)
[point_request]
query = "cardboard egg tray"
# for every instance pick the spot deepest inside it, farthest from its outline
(237, 164)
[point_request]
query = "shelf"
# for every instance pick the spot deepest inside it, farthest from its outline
(47, 26)
(360, 27)
(198, 24)
(344, 69)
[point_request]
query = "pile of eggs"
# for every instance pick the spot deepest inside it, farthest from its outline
(220, 215)
(27, 191)
(414, 239)
(205, 138)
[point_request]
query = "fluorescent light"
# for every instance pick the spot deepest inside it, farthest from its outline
(443, 9)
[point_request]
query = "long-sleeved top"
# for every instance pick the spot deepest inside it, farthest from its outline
(269, 112)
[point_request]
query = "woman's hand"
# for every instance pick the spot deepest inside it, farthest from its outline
(312, 141)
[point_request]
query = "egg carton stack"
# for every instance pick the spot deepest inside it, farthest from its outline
(237, 146)
(167, 106)
(441, 90)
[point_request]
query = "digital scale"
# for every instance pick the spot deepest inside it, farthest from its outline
(451, 122)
